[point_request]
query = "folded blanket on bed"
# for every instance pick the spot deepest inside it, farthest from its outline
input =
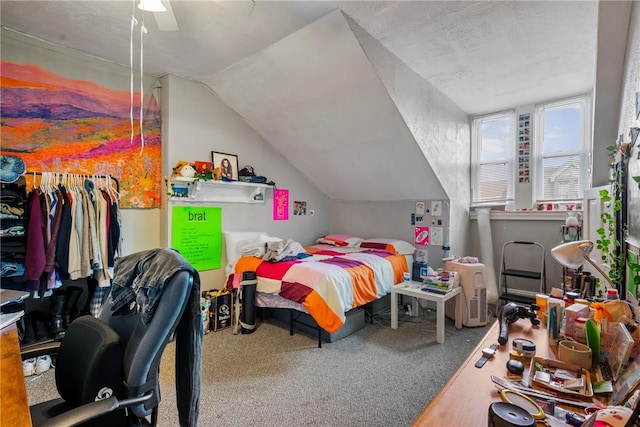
(256, 249)
(277, 251)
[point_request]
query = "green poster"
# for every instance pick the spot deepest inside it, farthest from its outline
(196, 232)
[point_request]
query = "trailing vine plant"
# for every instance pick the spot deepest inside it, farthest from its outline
(607, 241)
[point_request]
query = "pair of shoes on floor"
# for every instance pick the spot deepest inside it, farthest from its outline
(36, 365)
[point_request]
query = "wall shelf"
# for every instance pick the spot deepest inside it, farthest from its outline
(198, 191)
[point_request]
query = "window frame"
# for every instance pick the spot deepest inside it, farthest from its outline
(583, 152)
(476, 163)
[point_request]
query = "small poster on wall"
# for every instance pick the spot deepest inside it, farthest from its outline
(421, 236)
(196, 232)
(280, 205)
(299, 207)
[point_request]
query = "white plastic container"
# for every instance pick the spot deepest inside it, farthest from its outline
(474, 293)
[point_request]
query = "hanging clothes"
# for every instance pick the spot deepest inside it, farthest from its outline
(13, 203)
(71, 231)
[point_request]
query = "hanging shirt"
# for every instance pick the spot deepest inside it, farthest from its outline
(35, 257)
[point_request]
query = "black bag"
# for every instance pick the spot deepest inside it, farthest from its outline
(220, 310)
(246, 171)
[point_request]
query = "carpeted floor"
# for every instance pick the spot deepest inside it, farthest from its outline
(375, 377)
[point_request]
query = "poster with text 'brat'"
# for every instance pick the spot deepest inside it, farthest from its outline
(196, 232)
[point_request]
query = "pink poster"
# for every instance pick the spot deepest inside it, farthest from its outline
(421, 236)
(280, 205)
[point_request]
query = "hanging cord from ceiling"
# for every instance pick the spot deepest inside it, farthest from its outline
(134, 22)
(143, 31)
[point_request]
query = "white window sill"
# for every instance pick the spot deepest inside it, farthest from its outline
(522, 215)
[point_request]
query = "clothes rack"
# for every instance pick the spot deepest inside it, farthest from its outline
(60, 175)
(71, 224)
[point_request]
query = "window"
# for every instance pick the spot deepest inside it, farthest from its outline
(550, 167)
(493, 159)
(561, 146)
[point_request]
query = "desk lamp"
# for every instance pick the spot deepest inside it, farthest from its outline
(573, 255)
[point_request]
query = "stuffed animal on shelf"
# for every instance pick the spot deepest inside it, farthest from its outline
(217, 174)
(187, 171)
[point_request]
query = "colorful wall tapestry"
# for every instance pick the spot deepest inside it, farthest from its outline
(57, 124)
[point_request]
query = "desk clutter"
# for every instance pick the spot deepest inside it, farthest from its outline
(593, 378)
(439, 282)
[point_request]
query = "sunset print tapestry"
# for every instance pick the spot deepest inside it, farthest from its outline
(56, 124)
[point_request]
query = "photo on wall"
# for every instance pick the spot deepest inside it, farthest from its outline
(299, 207)
(228, 164)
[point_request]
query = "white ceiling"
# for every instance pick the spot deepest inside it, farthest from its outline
(485, 56)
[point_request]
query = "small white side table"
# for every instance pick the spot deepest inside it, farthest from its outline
(413, 290)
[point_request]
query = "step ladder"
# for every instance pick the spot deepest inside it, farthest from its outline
(522, 272)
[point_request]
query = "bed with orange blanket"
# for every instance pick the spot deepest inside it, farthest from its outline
(326, 280)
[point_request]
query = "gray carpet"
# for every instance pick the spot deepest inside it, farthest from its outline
(375, 377)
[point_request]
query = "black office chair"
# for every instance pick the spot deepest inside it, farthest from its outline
(107, 367)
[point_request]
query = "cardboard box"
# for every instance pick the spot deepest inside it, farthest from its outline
(571, 313)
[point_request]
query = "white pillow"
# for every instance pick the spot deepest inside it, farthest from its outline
(395, 246)
(234, 240)
(340, 240)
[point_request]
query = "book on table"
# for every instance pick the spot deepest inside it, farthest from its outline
(438, 288)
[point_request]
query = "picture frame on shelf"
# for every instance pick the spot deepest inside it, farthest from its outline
(228, 164)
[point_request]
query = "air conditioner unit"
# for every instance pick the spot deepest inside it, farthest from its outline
(474, 293)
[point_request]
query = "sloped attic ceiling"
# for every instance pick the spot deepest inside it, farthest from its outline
(316, 98)
(484, 56)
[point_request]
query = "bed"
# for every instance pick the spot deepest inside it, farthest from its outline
(326, 280)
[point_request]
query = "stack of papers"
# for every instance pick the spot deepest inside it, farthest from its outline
(436, 288)
(8, 318)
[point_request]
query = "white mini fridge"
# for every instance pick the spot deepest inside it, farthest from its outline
(474, 293)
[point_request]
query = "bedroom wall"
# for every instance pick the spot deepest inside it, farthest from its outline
(197, 123)
(441, 130)
(544, 231)
(387, 219)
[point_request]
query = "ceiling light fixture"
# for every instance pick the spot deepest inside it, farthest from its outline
(152, 6)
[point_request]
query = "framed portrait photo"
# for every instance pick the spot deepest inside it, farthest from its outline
(228, 164)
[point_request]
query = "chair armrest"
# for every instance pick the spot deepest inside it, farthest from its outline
(30, 351)
(92, 410)
(83, 413)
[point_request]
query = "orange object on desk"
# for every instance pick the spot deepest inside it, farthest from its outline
(14, 405)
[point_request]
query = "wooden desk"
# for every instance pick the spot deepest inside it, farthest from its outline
(464, 400)
(14, 406)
